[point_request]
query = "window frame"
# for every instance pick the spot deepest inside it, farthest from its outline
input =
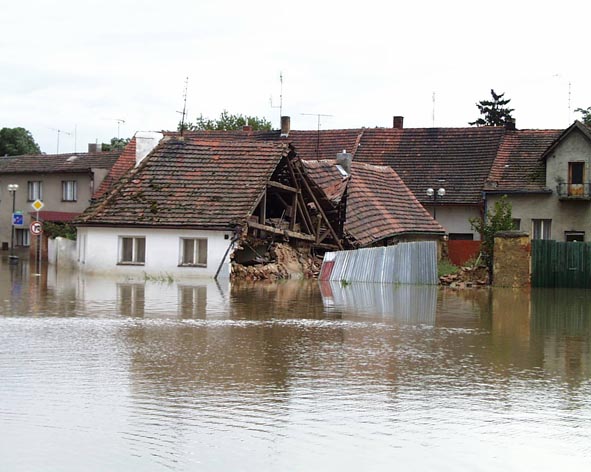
(137, 249)
(541, 228)
(34, 190)
(198, 253)
(65, 190)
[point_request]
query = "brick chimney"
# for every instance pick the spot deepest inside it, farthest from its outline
(95, 147)
(247, 128)
(510, 124)
(398, 122)
(285, 126)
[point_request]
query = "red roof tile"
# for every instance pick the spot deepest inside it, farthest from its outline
(206, 184)
(519, 166)
(124, 163)
(378, 204)
(57, 163)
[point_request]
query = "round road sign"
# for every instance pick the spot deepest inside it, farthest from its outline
(36, 228)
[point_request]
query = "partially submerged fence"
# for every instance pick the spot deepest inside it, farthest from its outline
(561, 264)
(405, 263)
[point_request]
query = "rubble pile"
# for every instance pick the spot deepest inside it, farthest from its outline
(466, 277)
(285, 262)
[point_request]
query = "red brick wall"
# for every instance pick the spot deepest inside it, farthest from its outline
(461, 251)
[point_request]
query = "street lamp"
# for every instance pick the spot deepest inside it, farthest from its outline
(435, 195)
(12, 188)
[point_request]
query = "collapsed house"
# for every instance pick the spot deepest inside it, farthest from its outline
(197, 206)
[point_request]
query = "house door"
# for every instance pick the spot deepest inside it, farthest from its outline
(576, 171)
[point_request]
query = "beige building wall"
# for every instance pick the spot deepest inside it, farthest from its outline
(52, 197)
(455, 219)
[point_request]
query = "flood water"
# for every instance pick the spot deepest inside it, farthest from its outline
(101, 374)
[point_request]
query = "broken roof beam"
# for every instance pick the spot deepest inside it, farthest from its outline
(284, 232)
(287, 188)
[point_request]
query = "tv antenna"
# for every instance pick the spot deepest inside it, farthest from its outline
(318, 116)
(433, 110)
(119, 121)
(280, 106)
(59, 131)
(184, 112)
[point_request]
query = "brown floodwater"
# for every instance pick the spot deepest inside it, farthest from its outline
(100, 374)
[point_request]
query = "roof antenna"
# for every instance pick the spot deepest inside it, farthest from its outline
(318, 115)
(280, 97)
(433, 109)
(184, 112)
(59, 131)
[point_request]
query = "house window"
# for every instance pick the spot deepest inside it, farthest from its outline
(516, 224)
(193, 252)
(541, 229)
(69, 190)
(574, 236)
(22, 237)
(34, 190)
(576, 172)
(132, 250)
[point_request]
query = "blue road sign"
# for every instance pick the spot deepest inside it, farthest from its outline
(18, 219)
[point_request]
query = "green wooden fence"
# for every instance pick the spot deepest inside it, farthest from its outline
(560, 264)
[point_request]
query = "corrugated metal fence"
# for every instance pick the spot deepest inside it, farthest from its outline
(560, 264)
(405, 263)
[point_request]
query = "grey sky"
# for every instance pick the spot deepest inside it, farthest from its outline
(81, 65)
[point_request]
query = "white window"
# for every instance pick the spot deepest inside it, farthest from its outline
(34, 190)
(69, 190)
(542, 229)
(193, 252)
(22, 237)
(132, 250)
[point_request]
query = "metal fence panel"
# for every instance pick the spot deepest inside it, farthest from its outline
(561, 264)
(404, 263)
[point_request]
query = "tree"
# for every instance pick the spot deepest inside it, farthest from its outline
(585, 115)
(17, 141)
(495, 112)
(498, 220)
(115, 145)
(227, 122)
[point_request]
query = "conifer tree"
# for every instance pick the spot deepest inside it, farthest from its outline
(494, 112)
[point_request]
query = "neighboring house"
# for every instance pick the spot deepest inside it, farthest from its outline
(546, 175)
(378, 208)
(63, 182)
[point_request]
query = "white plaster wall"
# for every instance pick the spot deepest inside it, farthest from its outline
(455, 218)
(98, 252)
(61, 252)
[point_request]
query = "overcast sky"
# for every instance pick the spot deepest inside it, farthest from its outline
(80, 66)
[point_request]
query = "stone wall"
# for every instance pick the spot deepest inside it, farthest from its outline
(512, 254)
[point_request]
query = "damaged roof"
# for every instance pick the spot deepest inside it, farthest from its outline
(201, 184)
(378, 203)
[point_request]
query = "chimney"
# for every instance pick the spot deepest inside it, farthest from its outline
(145, 141)
(398, 122)
(95, 147)
(247, 128)
(285, 126)
(510, 124)
(345, 159)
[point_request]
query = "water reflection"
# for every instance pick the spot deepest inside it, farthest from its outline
(119, 374)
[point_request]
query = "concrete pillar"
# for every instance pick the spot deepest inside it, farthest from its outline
(511, 263)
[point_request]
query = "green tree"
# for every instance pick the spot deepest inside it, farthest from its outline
(494, 112)
(500, 219)
(227, 122)
(16, 142)
(115, 145)
(585, 115)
